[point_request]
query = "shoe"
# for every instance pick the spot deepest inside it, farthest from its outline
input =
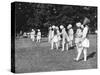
(76, 60)
(62, 50)
(85, 60)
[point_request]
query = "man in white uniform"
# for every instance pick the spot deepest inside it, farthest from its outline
(85, 41)
(54, 38)
(65, 38)
(78, 38)
(70, 34)
(58, 35)
(25, 35)
(33, 35)
(49, 34)
(38, 35)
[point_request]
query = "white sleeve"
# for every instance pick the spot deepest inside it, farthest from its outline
(72, 32)
(85, 31)
(40, 33)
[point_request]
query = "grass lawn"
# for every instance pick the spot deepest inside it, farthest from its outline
(38, 57)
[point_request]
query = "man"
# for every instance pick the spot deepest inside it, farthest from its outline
(70, 34)
(20, 34)
(85, 41)
(25, 35)
(49, 34)
(65, 38)
(54, 37)
(58, 35)
(78, 38)
(33, 35)
(38, 35)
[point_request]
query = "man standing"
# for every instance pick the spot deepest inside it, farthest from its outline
(78, 38)
(54, 38)
(49, 34)
(85, 41)
(33, 35)
(58, 35)
(38, 35)
(70, 34)
(65, 38)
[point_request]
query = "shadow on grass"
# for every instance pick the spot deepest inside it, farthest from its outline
(72, 48)
(91, 55)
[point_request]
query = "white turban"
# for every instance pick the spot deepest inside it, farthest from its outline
(69, 26)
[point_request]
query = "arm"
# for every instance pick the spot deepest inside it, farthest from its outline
(85, 31)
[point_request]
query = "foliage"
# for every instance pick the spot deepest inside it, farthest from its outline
(36, 15)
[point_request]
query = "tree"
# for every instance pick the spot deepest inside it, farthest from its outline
(36, 15)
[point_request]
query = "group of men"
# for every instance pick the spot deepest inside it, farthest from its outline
(33, 35)
(69, 39)
(59, 37)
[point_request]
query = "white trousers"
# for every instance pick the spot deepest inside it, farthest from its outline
(32, 37)
(79, 52)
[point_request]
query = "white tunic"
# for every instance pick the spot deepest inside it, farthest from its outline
(64, 36)
(32, 34)
(38, 35)
(54, 38)
(70, 33)
(58, 34)
(25, 34)
(85, 40)
(78, 36)
(49, 35)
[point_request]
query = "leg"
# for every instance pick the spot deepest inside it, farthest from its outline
(71, 43)
(56, 45)
(63, 44)
(33, 38)
(76, 50)
(67, 46)
(85, 54)
(52, 43)
(37, 39)
(79, 53)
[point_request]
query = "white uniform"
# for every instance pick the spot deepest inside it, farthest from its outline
(25, 35)
(78, 44)
(70, 33)
(84, 44)
(54, 40)
(38, 36)
(78, 36)
(49, 35)
(33, 35)
(58, 33)
(65, 39)
(59, 37)
(52, 34)
(85, 40)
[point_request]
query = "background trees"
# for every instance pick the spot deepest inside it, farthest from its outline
(36, 15)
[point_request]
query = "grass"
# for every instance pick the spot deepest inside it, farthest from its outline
(37, 57)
